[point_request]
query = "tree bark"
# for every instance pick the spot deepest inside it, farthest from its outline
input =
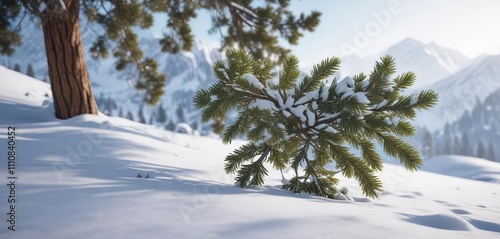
(68, 73)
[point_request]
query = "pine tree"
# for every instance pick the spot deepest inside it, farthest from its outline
(30, 71)
(17, 67)
(491, 153)
(180, 115)
(170, 126)
(465, 148)
(481, 151)
(447, 149)
(308, 123)
(162, 115)
(428, 146)
(151, 119)
(255, 27)
(140, 114)
(130, 116)
(456, 145)
(120, 113)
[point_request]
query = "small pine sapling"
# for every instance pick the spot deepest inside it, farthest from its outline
(309, 124)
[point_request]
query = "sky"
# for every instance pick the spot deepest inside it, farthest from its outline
(368, 27)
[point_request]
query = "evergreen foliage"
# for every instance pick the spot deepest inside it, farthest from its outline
(162, 114)
(140, 114)
(180, 115)
(30, 71)
(465, 147)
(456, 145)
(130, 116)
(429, 148)
(481, 151)
(151, 119)
(306, 124)
(17, 67)
(9, 32)
(256, 27)
(219, 124)
(491, 153)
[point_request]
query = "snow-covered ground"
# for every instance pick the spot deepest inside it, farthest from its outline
(78, 178)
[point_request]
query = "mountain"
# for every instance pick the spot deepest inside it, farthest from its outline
(186, 72)
(461, 92)
(430, 62)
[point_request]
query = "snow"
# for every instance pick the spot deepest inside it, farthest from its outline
(330, 129)
(361, 98)
(394, 121)
(307, 97)
(387, 121)
(413, 100)
(183, 128)
(253, 81)
(365, 84)
(344, 86)
(311, 117)
(464, 167)
(263, 105)
(381, 104)
(78, 179)
(430, 62)
(299, 112)
(324, 93)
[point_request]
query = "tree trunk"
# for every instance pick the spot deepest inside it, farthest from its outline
(68, 73)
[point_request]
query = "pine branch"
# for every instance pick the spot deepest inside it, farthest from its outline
(289, 74)
(370, 155)
(282, 124)
(407, 155)
(319, 72)
(202, 99)
(426, 99)
(235, 129)
(253, 174)
(244, 153)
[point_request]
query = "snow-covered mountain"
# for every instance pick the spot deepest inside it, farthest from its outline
(430, 62)
(461, 92)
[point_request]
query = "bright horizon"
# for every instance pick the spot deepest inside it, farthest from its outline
(470, 27)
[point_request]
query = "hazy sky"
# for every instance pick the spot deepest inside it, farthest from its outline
(368, 27)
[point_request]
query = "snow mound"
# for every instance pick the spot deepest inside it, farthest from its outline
(464, 167)
(441, 221)
(78, 178)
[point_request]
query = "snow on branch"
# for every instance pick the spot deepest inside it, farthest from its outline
(307, 124)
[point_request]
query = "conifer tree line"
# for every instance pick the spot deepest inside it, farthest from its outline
(307, 123)
(476, 133)
(17, 67)
(145, 114)
(455, 145)
(256, 26)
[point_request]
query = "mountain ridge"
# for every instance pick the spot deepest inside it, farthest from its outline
(430, 62)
